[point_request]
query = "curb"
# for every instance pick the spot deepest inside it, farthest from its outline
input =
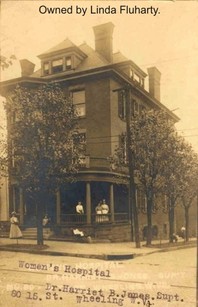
(53, 253)
(111, 256)
(167, 249)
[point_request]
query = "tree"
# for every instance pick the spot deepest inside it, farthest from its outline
(177, 170)
(190, 183)
(172, 179)
(150, 133)
(41, 148)
(6, 61)
(3, 153)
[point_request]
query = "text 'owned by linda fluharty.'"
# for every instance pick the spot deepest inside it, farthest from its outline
(100, 10)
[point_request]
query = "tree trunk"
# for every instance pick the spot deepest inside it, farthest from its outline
(186, 224)
(149, 220)
(171, 220)
(40, 220)
(135, 217)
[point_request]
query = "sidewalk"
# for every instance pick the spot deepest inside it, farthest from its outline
(105, 251)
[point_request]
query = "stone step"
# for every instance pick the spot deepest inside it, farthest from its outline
(31, 233)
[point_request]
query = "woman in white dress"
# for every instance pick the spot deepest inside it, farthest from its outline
(105, 210)
(98, 213)
(15, 231)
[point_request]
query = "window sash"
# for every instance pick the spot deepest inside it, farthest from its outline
(68, 63)
(80, 109)
(78, 98)
(58, 62)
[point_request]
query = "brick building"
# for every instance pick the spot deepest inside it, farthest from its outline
(91, 77)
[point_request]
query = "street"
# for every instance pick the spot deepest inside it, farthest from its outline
(159, 279)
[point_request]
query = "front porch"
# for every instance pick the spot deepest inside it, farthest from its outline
(101, 227)
(90, 189)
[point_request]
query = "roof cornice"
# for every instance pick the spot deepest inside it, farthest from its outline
(108, 70)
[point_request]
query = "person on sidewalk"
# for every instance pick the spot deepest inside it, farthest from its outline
(174, 237)
(15, 232)
(46, 220)
(183, 232)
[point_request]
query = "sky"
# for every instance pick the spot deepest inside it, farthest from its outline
(167, 41)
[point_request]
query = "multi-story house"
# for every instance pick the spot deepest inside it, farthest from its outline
(91, 77)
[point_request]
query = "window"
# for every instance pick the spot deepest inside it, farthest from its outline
(12, 154)
(142, 82)
(136, 107)
(131, 73)
(136, 78)
(78, 98)
(79, 141)
(155, 206)
(57, 66)
(164, 203)
(68, 63)
(14, 117)
(46, 68)
(122, 104)
(141, 201)
(142, 108)
(123, 147)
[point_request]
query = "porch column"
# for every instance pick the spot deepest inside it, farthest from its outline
(58, 207)
(88, 202)
(112, 203)
(21, 206)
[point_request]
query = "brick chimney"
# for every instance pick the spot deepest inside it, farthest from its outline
(154, 82)
(104, 40)
(27, 68)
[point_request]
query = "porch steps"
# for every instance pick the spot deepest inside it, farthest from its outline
(31, 233)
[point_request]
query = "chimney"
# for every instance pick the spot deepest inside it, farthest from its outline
(104, 40)
(27, 68)
(154, 82)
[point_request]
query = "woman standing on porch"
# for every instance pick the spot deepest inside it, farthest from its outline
(98, 212)
(105, 210)
(15, 231)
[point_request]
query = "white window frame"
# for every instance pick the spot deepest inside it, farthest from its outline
(79, 105)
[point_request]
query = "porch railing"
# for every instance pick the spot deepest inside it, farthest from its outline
(121, 217)
(73, 219)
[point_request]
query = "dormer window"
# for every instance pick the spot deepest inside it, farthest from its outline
(68, 63)
(57, 66)
(136, 77)
(46, 68)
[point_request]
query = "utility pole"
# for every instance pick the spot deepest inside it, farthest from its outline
(132, 186)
